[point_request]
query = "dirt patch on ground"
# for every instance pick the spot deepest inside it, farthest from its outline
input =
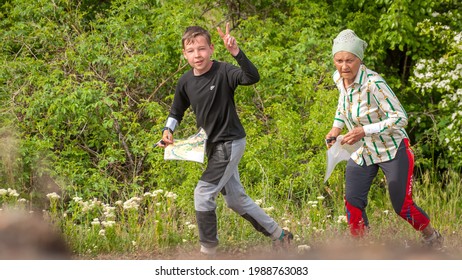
(331, 252)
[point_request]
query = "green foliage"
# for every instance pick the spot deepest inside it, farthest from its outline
(439, 81)
(88, 93)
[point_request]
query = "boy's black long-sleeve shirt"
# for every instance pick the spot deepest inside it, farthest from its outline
(211, 96)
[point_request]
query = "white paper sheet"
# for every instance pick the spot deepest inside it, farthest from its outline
(337, 153)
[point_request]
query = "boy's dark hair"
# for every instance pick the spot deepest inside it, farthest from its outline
(192, 32)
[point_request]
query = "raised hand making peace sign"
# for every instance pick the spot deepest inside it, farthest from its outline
(230, 41)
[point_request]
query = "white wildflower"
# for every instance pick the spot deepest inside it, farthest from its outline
(102, 232)
(12, 192)
(85, 206)
(132, 203)
(268, 209)
(303, 248)
(108, 224)
(157, 192)
(109, 215)
(171, 195)
(342, 219)
(320, 197)
(53, 195)
(109, 211)
(258, 202)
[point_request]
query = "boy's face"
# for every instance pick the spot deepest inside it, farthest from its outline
(198, 53)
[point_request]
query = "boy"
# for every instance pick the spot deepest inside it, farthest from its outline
(209, 89)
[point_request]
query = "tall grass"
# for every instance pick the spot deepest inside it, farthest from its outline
(158, 221)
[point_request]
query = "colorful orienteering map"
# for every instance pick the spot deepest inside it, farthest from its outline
(192, 148)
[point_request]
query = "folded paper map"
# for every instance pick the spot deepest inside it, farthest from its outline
(337, 153)
(192, 149)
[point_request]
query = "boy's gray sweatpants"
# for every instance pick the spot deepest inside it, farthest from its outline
(222, 175)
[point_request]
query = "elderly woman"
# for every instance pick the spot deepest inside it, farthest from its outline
(373, 115)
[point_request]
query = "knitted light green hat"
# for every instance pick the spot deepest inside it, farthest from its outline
(348, 41)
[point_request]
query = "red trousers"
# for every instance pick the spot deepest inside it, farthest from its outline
(399, 174)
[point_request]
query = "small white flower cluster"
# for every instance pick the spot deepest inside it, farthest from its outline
(303, 248)
(458, 40)
(154, 193)
(259, 202)
(53, 195)
(9, 192)
(430, 74)
(318, 230)
(313, 203)
(87, 205)
(190, 226)
(109, 216)
(108, 224)
(107, 220)
(171, 195)
(95, 222)
(108, 211)
(132, 203)
(342, 219)
(297, 238)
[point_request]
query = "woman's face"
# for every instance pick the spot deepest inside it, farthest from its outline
(347, 65)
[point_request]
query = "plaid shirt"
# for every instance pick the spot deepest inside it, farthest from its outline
(369, 102)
